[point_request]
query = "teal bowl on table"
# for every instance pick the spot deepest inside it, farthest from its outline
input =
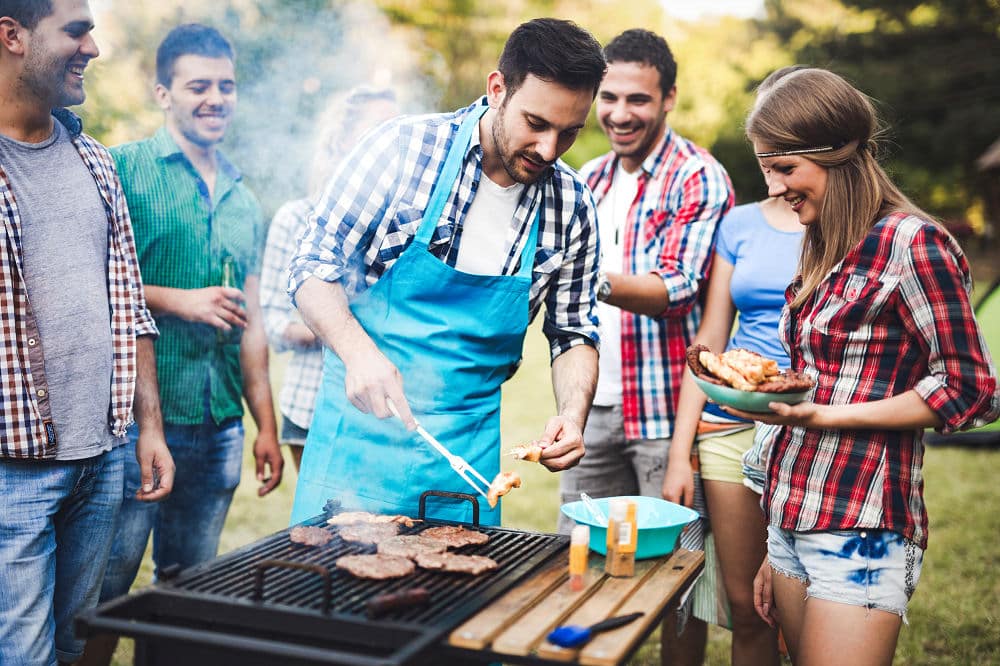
(747, 401)
(659, 524)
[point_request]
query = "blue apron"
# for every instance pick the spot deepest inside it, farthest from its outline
(454, 337)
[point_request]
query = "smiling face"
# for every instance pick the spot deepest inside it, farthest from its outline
(531, 128)
(200, 100)
(57, 52)
(632, 110)
(799, 181)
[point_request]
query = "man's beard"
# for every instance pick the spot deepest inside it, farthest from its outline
(509, 160)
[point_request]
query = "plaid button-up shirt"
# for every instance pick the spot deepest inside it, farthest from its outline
(894, 315)
(683, 195)
(375, 201)
(26, 429)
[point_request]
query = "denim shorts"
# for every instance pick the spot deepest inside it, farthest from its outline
(292, 434)
(876, 569)
(56, 526)
(186, 526)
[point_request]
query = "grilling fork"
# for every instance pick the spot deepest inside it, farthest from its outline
(461, 467)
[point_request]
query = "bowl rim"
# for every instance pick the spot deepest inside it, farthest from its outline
(692, 515)
(798, 396)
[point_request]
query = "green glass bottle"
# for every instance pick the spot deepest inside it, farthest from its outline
(231, 337)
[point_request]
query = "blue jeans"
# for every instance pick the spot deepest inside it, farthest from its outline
(186, 526)
(56, 525)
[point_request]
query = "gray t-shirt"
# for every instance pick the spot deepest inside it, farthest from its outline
(64, 250)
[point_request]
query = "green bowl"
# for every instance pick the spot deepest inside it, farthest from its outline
(748, 401)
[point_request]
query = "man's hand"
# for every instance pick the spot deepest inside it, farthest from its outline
(562, 444)
(678, 483)
(219, 307)
(270, 464)
(763, 595)
(371, 381)
(156, 467)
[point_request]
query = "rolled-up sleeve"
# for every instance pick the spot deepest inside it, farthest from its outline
(961, 386)
(144, 322)
(357, 200)
(697, 208)
(571, 306)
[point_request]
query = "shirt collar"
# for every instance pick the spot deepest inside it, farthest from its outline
(69, 120)
(167, 149)
(655, 157)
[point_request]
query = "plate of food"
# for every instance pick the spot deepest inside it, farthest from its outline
(745, 380)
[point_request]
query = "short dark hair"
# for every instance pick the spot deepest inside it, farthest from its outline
(26, 12)
(643, 46)
(189, 39)
(553, 50)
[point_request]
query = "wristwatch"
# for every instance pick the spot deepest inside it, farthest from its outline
(603, 287)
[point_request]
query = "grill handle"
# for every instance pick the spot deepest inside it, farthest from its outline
(321, 571)
(444, 493)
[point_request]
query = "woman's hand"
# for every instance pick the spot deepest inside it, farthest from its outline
(678, 483)
(763, 597)
(805, 414)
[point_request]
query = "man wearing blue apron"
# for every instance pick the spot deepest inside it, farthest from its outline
(432, 248)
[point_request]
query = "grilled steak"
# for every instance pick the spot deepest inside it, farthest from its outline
(368, 532)
(455, 536)
(355, 517)
(309, 536)
(376, 567)
(786, 382)
(411, 545)
(470, 564)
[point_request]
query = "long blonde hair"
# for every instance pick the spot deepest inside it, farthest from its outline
(811, 108)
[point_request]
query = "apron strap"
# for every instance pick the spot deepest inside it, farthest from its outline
(449, 173)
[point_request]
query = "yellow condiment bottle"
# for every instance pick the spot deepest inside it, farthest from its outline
(579, 543)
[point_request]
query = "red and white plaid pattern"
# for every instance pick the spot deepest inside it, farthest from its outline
(683, 195)
(894, 315)
(26, 429)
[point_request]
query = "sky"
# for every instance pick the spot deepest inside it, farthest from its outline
(693, 9)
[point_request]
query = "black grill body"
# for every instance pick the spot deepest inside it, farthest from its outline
(276, 602)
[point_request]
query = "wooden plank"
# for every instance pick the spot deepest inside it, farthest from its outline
(529, 629)
(604, 603)
(658, 589)
(478, 632)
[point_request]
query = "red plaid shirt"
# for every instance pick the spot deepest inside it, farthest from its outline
(26, 429)
(683, 195)
(894, 315)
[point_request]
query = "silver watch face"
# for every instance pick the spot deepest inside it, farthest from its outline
(603, 289)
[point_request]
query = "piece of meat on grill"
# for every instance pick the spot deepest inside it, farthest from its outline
(354, 517)
(309, 536)
(411, 545)
(501, 485)
(529, 452)
(456, 536)
(376, 567)
(368, 532)
(455, 563)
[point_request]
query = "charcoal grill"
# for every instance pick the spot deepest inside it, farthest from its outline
(274, 601)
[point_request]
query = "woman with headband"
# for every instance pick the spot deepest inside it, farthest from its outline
(879, 316)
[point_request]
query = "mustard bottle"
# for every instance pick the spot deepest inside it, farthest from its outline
(579, 543)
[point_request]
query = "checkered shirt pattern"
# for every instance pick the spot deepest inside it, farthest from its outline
(375, 201)
(26, 430)
(683, 195)
(894, 315)
(304, 371)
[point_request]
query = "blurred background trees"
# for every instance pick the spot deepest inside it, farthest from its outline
(932, 66)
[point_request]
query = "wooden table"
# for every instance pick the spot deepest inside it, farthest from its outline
(514, 627)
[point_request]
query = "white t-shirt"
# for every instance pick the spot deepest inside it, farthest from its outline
(612, 219)
(486, 229)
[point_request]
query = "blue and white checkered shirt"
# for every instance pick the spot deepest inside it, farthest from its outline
(373, 205)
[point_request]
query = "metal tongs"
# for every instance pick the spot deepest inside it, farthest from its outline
(461, 467)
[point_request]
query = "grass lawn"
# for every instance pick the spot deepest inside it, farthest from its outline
(954, 616)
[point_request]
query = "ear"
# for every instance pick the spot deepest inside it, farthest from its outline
(12, 35)
(670, 100)
(162, 96)
(496, 89)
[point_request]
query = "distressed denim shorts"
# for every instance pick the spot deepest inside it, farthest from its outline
(877, 569)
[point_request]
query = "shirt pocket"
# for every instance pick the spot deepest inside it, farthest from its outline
(853, 303)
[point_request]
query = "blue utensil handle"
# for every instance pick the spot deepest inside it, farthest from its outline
(573, 635)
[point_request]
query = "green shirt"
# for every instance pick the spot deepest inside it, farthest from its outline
(182, 236)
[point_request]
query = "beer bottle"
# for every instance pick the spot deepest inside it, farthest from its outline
(232, 336)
